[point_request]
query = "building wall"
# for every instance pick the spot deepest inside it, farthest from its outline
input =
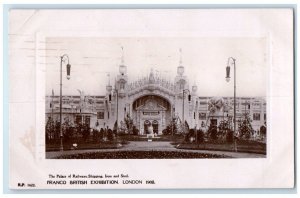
(196, 111)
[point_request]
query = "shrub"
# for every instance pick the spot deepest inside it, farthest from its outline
(213, 132)
(135, 130)
(85, 132)
(229, 136)
(165, 132)
(110, 135)
(188, 136)
(200, 136)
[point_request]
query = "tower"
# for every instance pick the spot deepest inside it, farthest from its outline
(181, 89)
(121, 91)
(180, 80)
(122, 77)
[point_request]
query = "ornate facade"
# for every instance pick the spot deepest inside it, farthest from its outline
(152, 100)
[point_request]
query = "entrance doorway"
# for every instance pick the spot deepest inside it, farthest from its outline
(155, 126)
(147, 123)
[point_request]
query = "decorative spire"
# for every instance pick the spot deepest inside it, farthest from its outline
(122, 58)
(108, 86)
(122, 67)
(180, 56)
(180, 68)
(108, 76)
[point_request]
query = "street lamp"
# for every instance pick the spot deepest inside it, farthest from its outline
(189, 98)
(230, 62)
(63, 59)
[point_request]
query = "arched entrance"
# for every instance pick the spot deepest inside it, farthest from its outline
(151, 110)
(147, 123)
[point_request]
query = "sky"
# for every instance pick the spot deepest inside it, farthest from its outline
(204, 60)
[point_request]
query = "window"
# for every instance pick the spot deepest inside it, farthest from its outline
(202, 116)
(265, 117)
(100, 115)
(256, 116)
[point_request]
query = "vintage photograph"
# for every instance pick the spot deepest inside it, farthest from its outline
(150, 98)
(155, 98)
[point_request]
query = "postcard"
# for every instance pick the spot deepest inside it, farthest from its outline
(151, 98)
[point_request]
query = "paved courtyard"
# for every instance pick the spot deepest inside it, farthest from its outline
(155, 146)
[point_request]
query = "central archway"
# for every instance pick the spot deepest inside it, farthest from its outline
(151, 110)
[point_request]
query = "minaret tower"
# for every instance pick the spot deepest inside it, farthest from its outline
(121, 90)
(122, 78)
(181, 88)
(180, 79)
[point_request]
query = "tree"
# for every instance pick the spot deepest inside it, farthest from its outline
(263, 131)
(200, 136)
(223, 126)
(50, 130)
(213, 132)
(67, 130)
(110, 135)
(129, 123)
(85, 132)
(115, 129)
(57, 131)
(171, 129)
(229, 136)
(123, 127)
(245, 127)
(101, 134)
(184, 128)
(224, 130)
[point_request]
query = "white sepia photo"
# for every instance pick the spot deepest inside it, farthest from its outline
(151, 99)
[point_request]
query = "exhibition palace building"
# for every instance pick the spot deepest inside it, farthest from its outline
(153, 100)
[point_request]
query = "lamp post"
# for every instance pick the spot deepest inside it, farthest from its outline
(63, 59)
(231, 61)
(189, 98)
